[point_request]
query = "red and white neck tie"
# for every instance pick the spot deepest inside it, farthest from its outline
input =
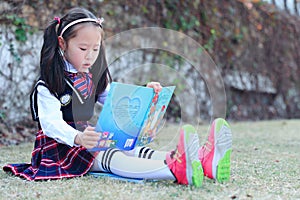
(82, 81)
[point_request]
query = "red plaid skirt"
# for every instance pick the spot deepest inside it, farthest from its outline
(53, 160)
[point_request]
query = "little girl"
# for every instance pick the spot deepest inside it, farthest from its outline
(74, 76)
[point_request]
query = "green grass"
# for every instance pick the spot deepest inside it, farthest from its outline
(265, 165)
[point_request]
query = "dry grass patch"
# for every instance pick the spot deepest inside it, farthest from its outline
(265, 165)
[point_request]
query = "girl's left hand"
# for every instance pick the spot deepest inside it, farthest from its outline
(155, 85)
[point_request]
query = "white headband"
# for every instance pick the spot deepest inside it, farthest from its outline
(99, 21)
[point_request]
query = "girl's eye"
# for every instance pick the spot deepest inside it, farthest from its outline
(82, 49)
(96, 49)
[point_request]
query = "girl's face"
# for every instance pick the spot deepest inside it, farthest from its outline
(83, 49)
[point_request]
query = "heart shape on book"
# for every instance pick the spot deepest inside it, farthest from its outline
(126, 114)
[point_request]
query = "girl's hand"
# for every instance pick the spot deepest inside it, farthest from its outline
(88, 138)
(155, 85)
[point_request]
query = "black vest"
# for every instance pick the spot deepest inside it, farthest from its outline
(74, 106)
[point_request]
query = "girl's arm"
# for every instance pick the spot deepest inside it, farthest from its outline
(102, 97)
(51, 118)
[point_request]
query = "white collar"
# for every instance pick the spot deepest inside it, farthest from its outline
(70, 68)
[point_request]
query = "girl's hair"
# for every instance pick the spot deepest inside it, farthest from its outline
(52, 62)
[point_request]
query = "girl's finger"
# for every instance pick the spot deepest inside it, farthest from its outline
(90, 128)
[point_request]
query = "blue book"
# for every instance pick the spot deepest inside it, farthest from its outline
(131, 115)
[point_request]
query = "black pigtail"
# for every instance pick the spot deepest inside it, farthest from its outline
(51, 62)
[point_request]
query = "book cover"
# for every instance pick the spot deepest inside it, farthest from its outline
(131, 115)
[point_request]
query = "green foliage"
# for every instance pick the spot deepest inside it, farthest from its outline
(184, 22)
(188, 23)
(210, 43)
(110, 12)
(14, 53)
(144, 9)
(170, 60)
(189, 20)
(2, 115)
(21, 28)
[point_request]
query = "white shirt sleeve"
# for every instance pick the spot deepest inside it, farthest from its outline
(51, 118)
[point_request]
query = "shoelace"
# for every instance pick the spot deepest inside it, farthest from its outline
(175, 155)
(207, 147)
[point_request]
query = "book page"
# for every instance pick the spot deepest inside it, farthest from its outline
(154, 120)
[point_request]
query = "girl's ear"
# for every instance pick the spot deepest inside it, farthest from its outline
(61, 43)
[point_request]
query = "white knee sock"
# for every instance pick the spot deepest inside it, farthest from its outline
(147, 152)
(116, 162)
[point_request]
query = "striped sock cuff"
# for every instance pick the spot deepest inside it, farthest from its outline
(145, 152)
(106, 159)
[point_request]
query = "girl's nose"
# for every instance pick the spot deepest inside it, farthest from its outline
(89, 55)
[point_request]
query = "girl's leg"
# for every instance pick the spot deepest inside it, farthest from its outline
(146, 152)
(182, 164)
(116, 162)
(214, 154)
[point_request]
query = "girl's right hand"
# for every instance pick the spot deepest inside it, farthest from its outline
(88, 138)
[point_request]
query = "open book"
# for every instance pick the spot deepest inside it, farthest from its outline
(131, 115)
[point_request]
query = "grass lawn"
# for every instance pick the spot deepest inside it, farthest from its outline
(265, 165)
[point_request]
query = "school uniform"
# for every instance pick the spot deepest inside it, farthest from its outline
(59, 118)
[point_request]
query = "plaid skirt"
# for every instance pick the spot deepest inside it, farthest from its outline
(53, 160)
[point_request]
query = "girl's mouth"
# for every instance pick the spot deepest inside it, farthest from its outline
(86, 65)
